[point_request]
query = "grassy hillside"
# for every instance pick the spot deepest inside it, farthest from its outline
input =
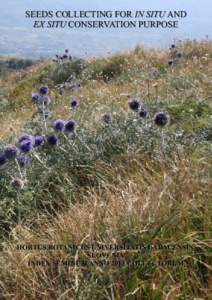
(135, 196)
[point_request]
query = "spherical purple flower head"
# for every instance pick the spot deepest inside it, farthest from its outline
(43, 90)
(173, 46)
(106, 118)
(134, 105)
(47, 114)
(70, 126)
(161, 119)
(23, 161)
(10, 152)
(143, 113)
(26, 146)
(59, 125)
(74, 103)
(179, 55)
(35, 97)
(26, 137)
(65, 56)
(39, 140)
(170, 62)
(2, 159)
(66, 51)
(52, 140)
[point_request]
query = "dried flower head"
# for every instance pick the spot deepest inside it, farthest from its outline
(43, 90)
(17, 183)
(106, 118)
(143, 113)
(26, 137)
(161, 119)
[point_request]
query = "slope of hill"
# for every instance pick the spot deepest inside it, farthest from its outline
(132, 193)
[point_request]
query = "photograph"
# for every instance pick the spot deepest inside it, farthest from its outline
(105, 150)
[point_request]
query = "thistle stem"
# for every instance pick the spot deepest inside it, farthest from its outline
(40, 161)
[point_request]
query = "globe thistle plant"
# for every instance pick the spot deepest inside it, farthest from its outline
(134, 105)
(26, 137)
(26, 146)
(161, 119)
(10, 152)
(143, 113)
(70, 126)
(43, 90)
(52, 140)
(59, 125)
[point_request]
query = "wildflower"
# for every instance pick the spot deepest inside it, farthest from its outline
(23, 161)
(17, 183)
(66, 51)
(59, 125)
(26, 146)
(2, 159)
(10, 151)
(170, 62)
(26, 137)
(39, 140)
(134, 105)
(161, 119)
(35, 97)
(173, 46)
(52, 140)
(106, 118)
(74, 103)
(43, 90)
(70, 126)
(65, 56)
(143, 113)
(179, 55)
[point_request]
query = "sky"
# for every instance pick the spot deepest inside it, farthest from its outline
(19, 38)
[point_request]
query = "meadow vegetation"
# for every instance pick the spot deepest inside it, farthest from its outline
(119, 180)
